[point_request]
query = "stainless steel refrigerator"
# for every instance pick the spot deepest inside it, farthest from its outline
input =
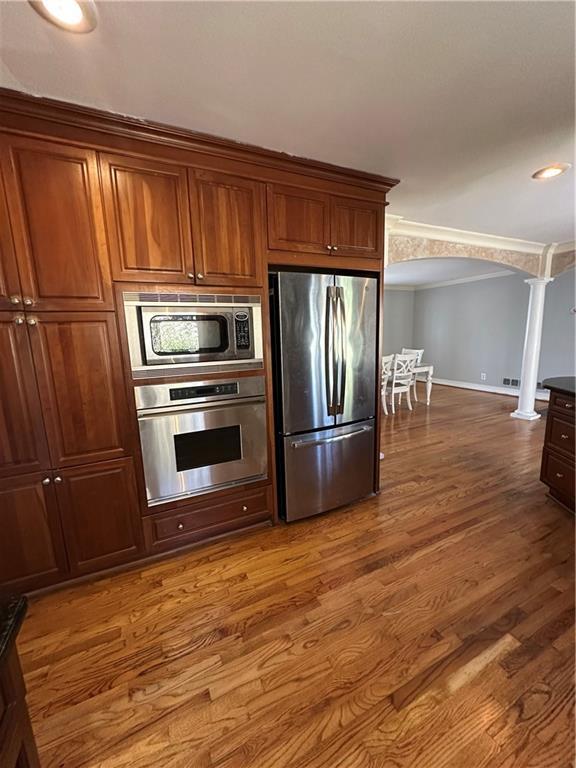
(325, 352)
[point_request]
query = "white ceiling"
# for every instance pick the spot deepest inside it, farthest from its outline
(426, 272)
(460, 100)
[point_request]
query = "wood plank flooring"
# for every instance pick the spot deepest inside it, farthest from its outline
(430, 627)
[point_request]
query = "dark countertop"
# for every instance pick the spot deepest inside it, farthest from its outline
(564, 384)
(12, 612)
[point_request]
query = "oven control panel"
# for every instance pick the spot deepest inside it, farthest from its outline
(210, 390)
(177, 395)
(242, 330)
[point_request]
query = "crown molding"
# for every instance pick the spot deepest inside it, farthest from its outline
(17, 107)
(567, 247)
(446, 283)
(399, 287)
(398, 225)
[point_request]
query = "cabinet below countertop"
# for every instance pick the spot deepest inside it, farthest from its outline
(558, 456)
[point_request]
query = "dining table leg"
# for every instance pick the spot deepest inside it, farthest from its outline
(429, 384)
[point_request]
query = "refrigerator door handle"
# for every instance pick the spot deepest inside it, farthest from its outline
(324, 441)
(330, 351)
(342, 337)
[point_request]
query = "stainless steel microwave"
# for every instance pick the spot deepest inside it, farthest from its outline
(177, 333)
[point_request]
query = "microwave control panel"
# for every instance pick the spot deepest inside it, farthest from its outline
(242, 330)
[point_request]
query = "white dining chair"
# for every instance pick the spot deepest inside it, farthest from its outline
(402, 375)
(419, 356)
(387, 361)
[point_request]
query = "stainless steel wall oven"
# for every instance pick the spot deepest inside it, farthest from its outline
(200, 436)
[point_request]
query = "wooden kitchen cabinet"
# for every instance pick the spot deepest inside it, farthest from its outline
(10, 293)
(57, 221)
(298, 219)
(23, 446)
(32, 553)
(100, 514)
(147, 213)
(314, 222)
(228, 221)
(357, 227)
(79, 371)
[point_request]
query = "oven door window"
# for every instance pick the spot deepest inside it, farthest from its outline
(173, 335)
(207, 447)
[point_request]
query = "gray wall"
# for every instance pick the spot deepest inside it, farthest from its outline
(398, 320)
(557, 357)
(470, 328)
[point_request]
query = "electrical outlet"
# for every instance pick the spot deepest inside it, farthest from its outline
(482, 377)
(514, 382)
(506, 382)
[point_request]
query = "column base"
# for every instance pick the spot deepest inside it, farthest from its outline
(525, 415)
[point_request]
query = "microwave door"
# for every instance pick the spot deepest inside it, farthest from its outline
(171, 337)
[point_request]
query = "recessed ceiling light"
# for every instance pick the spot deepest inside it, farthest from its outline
(72, 15)
(549, 171)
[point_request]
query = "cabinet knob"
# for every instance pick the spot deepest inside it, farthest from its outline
(329, 247)
(200, 276)
(180, 526)
(559, 475)
(568, 405)
(57, 479)
(15, 299)
(190, 275)
(31, 320)
(28, 302)
(244, 508)
(564, 437)
(46, 481)
(334, 247)
(19, 319)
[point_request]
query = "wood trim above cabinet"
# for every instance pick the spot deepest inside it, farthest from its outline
(23, 112)
(228, 216)
(55, 208)
(147, 214)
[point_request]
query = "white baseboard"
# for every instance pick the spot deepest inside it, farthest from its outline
(541, 394)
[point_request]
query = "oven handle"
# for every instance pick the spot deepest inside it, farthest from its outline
(213, 406)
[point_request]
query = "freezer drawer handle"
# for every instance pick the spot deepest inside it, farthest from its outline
(308, 443)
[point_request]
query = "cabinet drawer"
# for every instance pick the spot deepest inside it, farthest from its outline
(188, 525)
(558, 473)
(562, 403)
(560, 434)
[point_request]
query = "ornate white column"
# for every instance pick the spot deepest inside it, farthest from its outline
(531, 355)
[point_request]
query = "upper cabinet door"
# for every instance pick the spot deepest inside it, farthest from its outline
(298, 219)
(228, 221)
(10, 293)
(148, 220)
(23, 446)
(58, 224)
(81, 385)
(357, 227)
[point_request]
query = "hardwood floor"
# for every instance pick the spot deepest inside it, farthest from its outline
(429, 627)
